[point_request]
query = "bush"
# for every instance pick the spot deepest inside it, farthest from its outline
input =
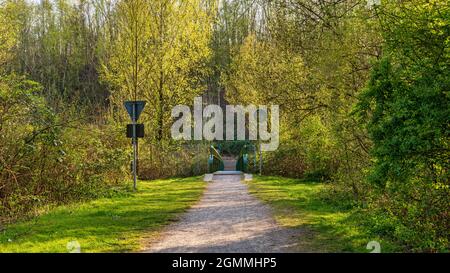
(48, 159)
(305, 151)
(420, 210)
(165, 159)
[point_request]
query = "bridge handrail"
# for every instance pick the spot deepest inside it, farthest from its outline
(242, 161)
(215, 161)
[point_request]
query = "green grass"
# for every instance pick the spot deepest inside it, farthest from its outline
(115, 224)
(297, 204)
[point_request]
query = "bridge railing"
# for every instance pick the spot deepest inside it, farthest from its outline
(215, 161)
(242, 161)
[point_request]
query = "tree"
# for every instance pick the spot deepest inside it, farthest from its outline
(406, 108)
(159, 55)
(312, 58)
(407, 101)
(8, 32)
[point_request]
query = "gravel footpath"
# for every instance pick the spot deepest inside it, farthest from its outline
(227, 219)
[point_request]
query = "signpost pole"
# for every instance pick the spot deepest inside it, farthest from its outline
(260, 159)
(137, 156)
(134, 109)
(134, 148)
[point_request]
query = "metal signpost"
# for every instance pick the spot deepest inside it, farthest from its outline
(134, 109)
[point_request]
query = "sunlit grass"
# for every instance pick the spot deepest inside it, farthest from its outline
(297, 204)
(115, 224)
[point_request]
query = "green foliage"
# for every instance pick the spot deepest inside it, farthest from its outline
(406, 107)
(8, 31)
(363, 94)
(172, 159)
(47, 159)
(232, 148)
(313, 70)
(306, 152)
(413, 214)
(58, 44)
(247, 80)
(409, 124)
(388, 64)
(159, 55)
(57, 142)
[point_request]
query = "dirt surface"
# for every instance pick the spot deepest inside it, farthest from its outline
(227, 219)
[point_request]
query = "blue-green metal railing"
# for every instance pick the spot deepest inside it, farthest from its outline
(215, 161)
(242, 161)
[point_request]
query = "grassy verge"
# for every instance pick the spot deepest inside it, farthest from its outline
(297, 204)
(115, 224)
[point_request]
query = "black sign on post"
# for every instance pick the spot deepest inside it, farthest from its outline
(134, 109)
(139, 130)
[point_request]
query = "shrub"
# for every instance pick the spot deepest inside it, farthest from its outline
(46, 158)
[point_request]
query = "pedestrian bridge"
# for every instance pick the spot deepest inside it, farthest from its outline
(219, 165)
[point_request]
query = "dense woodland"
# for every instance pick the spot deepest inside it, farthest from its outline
(363, 92)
